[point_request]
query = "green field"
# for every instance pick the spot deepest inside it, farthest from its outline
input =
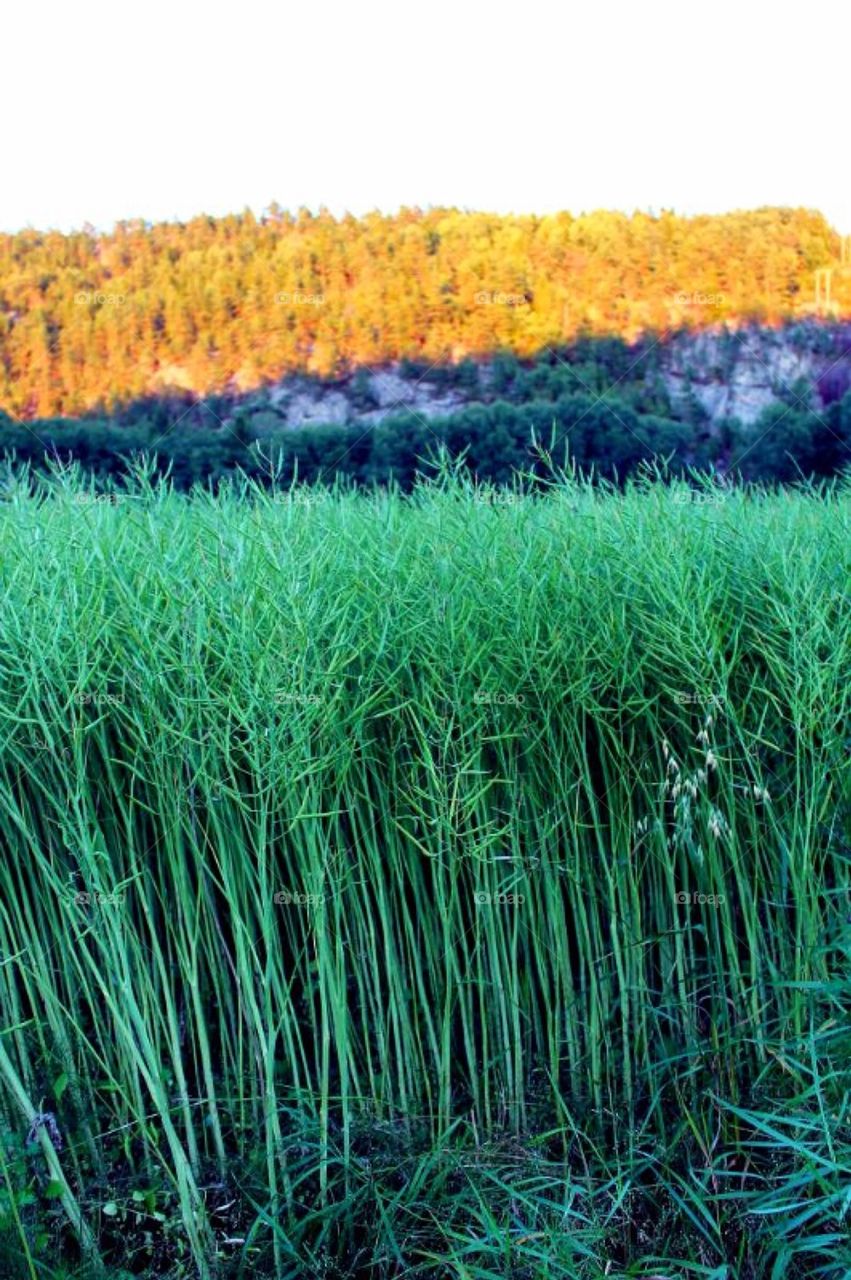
(452, 885)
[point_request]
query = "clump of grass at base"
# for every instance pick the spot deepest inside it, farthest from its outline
(430, 885)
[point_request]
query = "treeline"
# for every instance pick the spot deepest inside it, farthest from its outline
(215, 305)
(608, 433)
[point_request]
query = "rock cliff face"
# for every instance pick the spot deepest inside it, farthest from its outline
(731, 374)
(375, 395)
(740, 374)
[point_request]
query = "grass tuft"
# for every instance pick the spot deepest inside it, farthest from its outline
(426, 886)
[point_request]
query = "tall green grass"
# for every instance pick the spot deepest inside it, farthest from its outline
(454, 886)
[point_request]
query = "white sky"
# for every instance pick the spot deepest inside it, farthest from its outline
(168, 109)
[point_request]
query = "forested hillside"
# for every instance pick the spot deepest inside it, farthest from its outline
(230, 304)
(758, 404)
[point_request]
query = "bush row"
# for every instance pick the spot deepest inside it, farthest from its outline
(608, 434)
